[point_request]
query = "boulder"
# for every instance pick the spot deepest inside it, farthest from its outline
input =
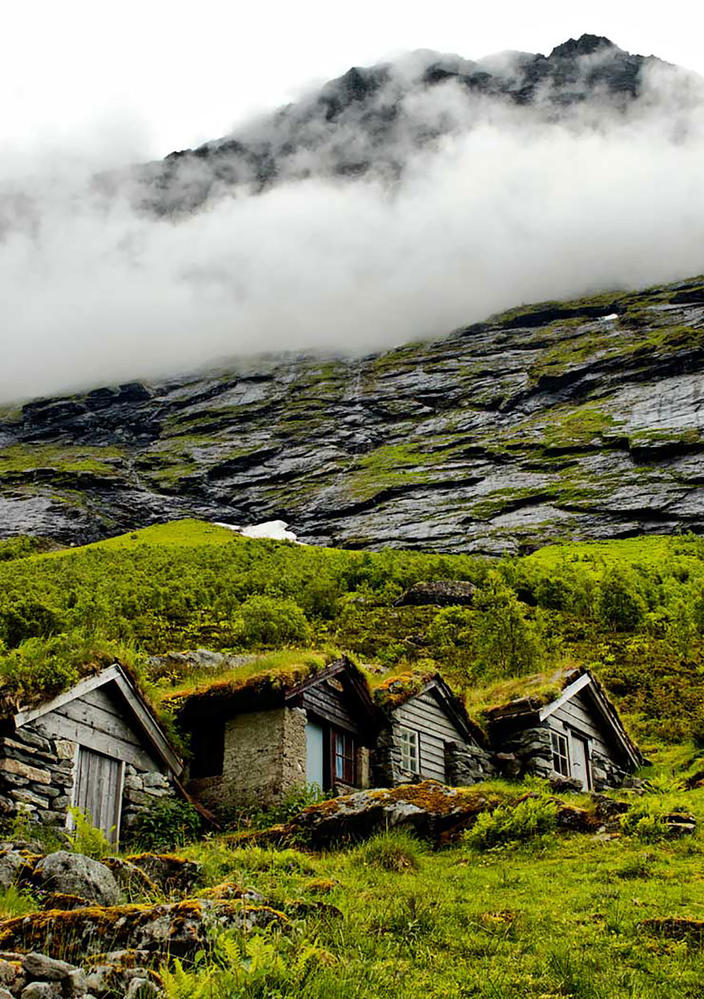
(680, 824)
(76, 874)
(47, 968)
(441, 593)
(560, 784)
(11, 864)
(172, 873)
(429, 809)
(132, 880)
(179, 928)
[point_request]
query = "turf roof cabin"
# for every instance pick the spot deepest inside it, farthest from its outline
(427, 734)
(565, 727)
(97, 746)
(256, 737)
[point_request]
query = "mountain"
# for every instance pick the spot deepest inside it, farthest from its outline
(372, 119)
(561, 420)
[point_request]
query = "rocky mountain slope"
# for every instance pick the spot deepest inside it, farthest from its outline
(561, 420)
(372, 119)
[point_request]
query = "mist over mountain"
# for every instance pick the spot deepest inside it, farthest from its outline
(396, 203)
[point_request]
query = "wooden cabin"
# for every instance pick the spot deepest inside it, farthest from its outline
(97, 747)
(427, 734)
(256, 737)
(564, 727)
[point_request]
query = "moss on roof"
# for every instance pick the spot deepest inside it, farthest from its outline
(391, 691)
(508, 695)
(263, 682)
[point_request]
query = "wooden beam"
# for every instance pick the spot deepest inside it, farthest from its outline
(566, 695)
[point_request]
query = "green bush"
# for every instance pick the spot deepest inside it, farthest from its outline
(269, 621)
(506, 642)
(166, 824)
(531, 817)
(86, 838)
(646, 819)
(293, 802)
(620, 607)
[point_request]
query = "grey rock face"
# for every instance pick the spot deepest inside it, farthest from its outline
(74, 874)
(11, 862)
(550, 422)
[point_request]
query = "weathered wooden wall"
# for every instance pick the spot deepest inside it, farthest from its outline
(98, 721)
(424, 715)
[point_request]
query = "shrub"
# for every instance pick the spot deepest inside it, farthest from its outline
(393, 850)
(295, 800)
(27, 619)
(270, 621)
(532, 817)
(646, 819)
(506, 642)
(619, 605)
(168, 823)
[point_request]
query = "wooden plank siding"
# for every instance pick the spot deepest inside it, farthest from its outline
(93, 720)
(424, 715)
(334, 706)
(578, 715)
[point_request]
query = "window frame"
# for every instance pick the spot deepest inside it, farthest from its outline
(343, 756)
(409, 738)
(560, 746)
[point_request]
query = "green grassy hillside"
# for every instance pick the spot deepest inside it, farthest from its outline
(524, 910)
(631, 609)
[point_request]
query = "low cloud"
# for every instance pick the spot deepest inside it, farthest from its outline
(510, 205)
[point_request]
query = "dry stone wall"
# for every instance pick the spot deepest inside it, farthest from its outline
(37, 776)
(265, 756)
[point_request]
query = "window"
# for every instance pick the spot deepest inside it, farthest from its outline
(560, 755)
(343, 757)
(410, 755)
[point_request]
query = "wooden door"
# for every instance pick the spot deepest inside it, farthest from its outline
(98, 790)
(579, 751)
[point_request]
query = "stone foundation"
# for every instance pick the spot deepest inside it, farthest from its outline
(467, 765)
(265, 756)
(36, 776)
(530, 752)
(141, 790)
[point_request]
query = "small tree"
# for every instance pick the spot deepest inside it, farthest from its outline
(270, 621)
(506, 641)
(620, 607)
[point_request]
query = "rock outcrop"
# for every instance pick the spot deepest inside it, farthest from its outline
(565, 420)
(390, 111)
(431, 810)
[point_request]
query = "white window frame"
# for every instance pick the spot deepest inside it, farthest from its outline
(409, 740)
(560, 746)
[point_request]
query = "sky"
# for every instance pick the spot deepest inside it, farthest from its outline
(143, 77)
(512, 206)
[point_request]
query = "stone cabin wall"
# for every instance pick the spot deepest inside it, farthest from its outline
(265, 756)
(37, 779)
(530, 752)
(465, 763)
